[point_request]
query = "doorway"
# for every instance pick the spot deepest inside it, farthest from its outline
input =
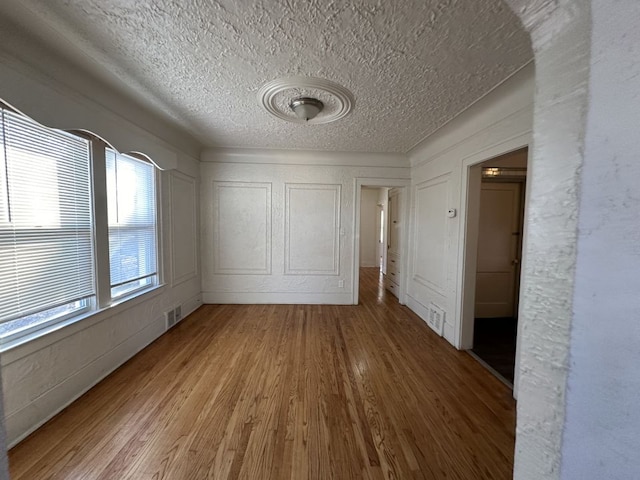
(394, 225)
(500, 222)
(372, 213)
(379, 235)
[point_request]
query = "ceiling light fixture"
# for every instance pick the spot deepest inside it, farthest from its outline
(306, 100)
(306, 108)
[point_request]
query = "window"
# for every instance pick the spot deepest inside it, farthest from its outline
(49, 264)
(132, 223)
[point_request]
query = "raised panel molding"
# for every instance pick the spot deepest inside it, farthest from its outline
(438, 211)
(312, 229)
(242, 228)
(184, 258)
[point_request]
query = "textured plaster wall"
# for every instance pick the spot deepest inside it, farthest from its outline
(602, 423)
(499, 123)
(43, 376)
(329, 279)
(577, 410)
(560, 35)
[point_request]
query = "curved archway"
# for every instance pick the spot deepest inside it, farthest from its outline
(574, 419)
(550, 253)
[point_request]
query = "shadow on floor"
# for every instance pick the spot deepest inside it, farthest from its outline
(494, 342)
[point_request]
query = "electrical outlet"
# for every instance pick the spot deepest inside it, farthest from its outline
(340, 283)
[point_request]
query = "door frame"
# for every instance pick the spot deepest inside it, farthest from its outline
(381, 220)
(402, 184)
(468, 240)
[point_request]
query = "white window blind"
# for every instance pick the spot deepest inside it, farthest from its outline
(132, 223)
(46, 245)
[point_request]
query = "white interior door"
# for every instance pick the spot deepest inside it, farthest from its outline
(498, 264)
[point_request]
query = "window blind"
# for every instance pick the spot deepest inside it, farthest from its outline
(46, 244)
(132, 223)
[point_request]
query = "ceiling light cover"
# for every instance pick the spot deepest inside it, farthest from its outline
(306, 108)
(278, 95)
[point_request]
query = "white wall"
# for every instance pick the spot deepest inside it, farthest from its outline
(369, 222)
(578, 413)
(43, 376)
(499, 123)
(4, 463)
(560, 37)
(601, 437)
(278, 225)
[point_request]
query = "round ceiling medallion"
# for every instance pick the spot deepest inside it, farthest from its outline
(277, 96)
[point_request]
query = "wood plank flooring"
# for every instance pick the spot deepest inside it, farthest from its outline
(286, 392)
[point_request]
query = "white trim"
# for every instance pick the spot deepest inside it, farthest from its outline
(102, 266)
(466, 273)
(304, 157)
(402, 183)
(523, 261)
(265, 269)
(24, 86)
(465, 122)
(20, 424)
(29, 344)
(175, 174)
(284, 298)
(337, 197)
(445, 178)
(191, 305)
(464, 314)
(434, 156)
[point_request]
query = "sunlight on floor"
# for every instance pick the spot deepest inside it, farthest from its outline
(381, 290)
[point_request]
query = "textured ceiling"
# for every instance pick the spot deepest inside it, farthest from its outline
(411, 65)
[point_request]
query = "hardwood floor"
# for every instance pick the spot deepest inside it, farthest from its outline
(286, 392)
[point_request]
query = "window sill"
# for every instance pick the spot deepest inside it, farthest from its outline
(26, 345)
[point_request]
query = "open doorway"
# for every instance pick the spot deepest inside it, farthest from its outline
(373, 206)
(500, 222)
(380, 226)
(379, 238)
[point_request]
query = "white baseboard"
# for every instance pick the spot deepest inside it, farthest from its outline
(25, 421)
(277, 298)
(191, 305)
(423, 312)
(369, 265)
(417, 308)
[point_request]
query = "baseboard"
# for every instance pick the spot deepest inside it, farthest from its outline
(423, 312)
(417, 308)
(191, 305)
(25, 421)
(277, 298)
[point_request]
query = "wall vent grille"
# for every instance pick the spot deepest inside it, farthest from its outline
(170, 317)
(436, 318)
